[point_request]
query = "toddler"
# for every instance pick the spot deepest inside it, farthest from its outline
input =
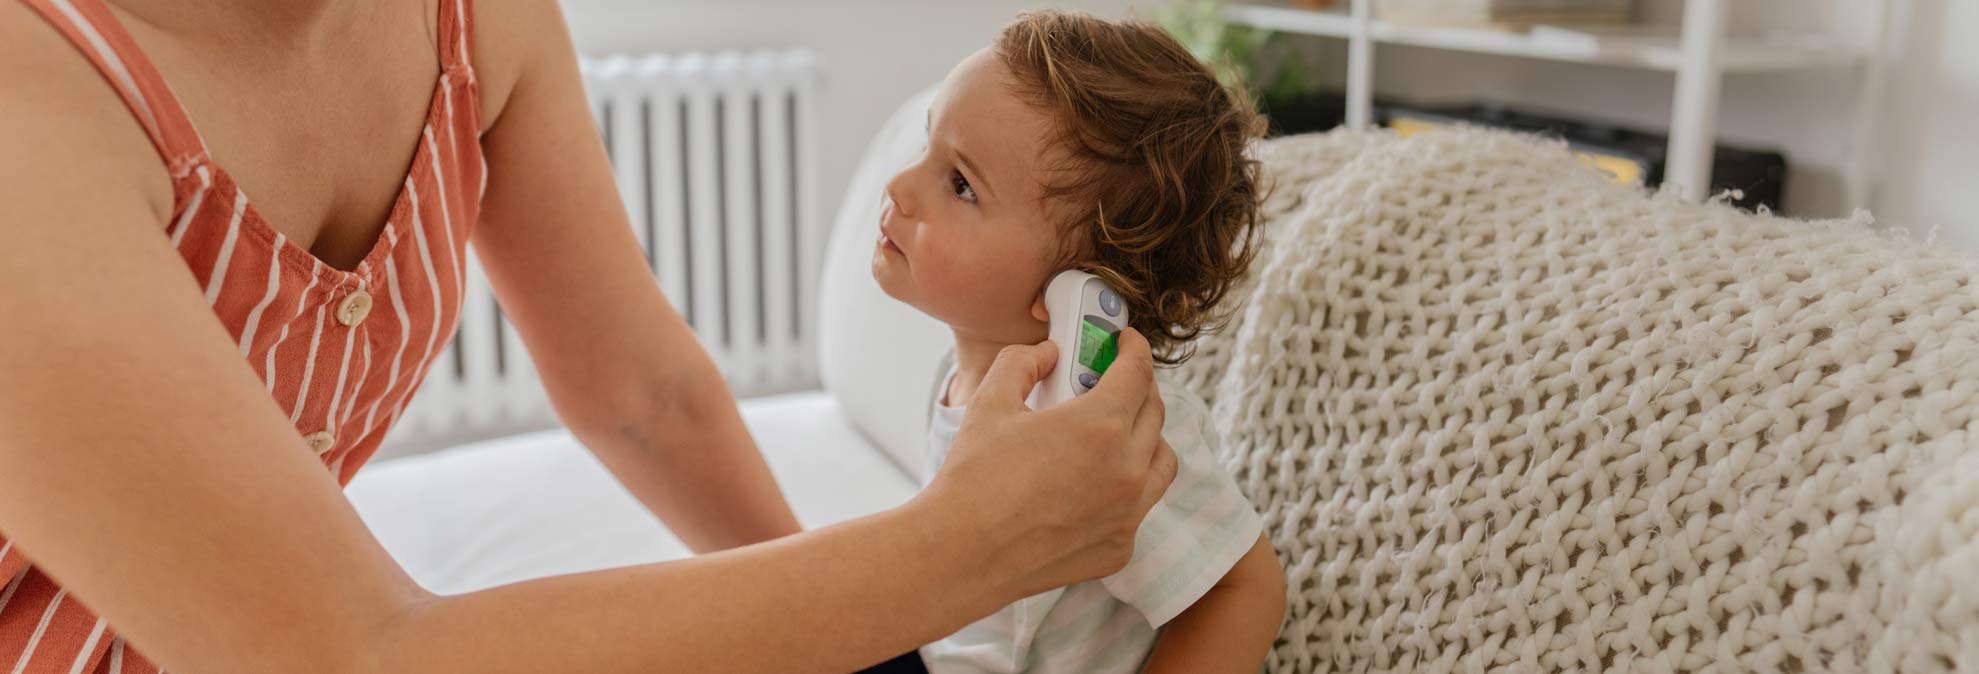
(1076, 142)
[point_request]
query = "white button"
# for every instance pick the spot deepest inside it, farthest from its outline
(354, 308)
(321, 441)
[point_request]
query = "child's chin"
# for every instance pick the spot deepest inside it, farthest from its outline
(887, 279)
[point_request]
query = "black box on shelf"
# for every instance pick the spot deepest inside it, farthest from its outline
(1305, 113)
(1759, 176)
(1630, 155)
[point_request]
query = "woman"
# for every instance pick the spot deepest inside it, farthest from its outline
(169, 482)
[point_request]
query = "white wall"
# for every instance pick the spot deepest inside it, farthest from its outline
(876, 52)
(1925, 156)
(1930, 141)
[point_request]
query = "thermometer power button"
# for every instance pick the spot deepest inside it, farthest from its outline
(1109, 302)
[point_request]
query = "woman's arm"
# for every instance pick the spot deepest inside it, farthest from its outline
(1231, 627)
(144, 467)
(622, 368)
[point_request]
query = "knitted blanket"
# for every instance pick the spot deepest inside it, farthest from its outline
(1504, 416)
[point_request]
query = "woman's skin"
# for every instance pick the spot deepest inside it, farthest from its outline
(143, 466)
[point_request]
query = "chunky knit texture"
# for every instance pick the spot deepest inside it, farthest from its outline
(1503, 416)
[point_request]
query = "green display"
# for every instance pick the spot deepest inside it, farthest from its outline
(1097, 346)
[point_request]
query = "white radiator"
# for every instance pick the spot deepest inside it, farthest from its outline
(716, 158)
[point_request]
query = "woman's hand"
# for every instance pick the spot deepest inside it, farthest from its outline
(1057, 494)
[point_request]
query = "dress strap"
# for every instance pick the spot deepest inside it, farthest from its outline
(95, 31)
(456, 33)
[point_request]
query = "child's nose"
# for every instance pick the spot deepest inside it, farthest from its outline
(898, 190)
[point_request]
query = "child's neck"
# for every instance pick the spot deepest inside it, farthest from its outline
(973, 357)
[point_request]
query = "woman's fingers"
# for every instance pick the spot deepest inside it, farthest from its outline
(1017, 370)
(1127, 392)
(1159, 460)
(1129, 389)
(1128, 395)
(1145, 430)
(1129, 379)
(1161, 473)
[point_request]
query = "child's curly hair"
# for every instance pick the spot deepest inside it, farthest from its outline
(1155, 187)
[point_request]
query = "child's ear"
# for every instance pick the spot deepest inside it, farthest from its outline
(1037, 309)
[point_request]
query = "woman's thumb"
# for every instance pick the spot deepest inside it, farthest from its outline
(1017, 370)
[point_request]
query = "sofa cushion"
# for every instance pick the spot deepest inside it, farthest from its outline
(876, 355)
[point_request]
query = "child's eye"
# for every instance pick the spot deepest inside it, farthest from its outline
(961, 186)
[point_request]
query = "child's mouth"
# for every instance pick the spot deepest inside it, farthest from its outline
(887, 243)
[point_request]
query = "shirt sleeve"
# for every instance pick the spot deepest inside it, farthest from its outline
(1196, 533)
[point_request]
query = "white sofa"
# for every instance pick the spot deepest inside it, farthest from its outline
(1500, 415)
(537, 505)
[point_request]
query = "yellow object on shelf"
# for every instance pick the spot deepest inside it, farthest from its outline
(1620, 168)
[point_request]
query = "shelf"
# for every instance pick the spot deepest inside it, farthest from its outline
(1741, 54)
(1291, 19)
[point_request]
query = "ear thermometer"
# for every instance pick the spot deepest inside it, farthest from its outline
(1085, 321)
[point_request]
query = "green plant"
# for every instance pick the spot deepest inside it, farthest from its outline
(1237, 52)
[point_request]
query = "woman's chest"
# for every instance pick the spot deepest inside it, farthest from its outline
(321, 136)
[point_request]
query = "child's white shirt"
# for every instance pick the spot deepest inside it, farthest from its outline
(1192, 537)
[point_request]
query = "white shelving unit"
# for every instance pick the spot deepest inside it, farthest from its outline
(1700, 56)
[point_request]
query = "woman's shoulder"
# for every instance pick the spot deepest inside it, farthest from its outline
(59, 111)
(513, 39)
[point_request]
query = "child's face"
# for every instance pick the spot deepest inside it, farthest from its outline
(966, 235)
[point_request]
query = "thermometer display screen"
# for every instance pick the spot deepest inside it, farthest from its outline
(1098, 344)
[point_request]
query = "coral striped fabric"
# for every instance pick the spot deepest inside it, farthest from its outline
(341, 351)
